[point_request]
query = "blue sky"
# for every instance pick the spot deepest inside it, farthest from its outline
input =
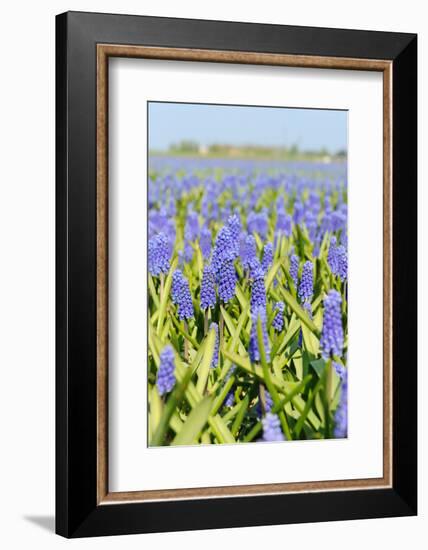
(207, 124)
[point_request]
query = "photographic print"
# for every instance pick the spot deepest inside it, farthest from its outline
(247, 274)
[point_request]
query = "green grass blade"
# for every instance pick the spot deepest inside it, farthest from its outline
(194, 424)
(268, 380)
(205, 365)
(243, 406)
(299, 311)
(165, 296)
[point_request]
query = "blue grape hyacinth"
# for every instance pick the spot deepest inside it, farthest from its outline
(158, 254)
(181, 296)
(341, 415)
(208, 295)
(205, 242)
(278, 320)
(332, 330)
(306, 287)
(214, 361)
(267, 256)
(230, 397)
(332, 258)
(234, 225)
(342, 262)
(248, 252)
(226, 278)
(224, 250)
(272, 428)
(166, 373)
(258, 290)
(268, 403)
(258, 313)
(294, 269)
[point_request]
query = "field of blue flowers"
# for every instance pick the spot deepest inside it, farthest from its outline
(247, 307)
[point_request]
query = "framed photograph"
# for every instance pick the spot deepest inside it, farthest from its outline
(236, 274)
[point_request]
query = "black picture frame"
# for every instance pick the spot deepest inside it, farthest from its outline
(77, 511)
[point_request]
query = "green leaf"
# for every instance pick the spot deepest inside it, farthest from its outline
(319, 367)
(243, 405)
(268, 380)
(299, 311)
(312, 343)
(271, 274)
(156, 407)
(308, 407)
(205, 365)
(153, 292)
(165, 296)
(194, 424)
(175, 398)
(222, 395)
(220, 430)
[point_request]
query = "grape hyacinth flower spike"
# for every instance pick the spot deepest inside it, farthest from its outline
(205, 242)
(258, 313)
(278, 320)
(249, 252)
(158, 254)
(223, 264)
(267, 256)
(214, 360)
(332, 259)
(180, 293)
(258, 290)
(342, 262)
(226, 281)
(341, 415)
(294, 269)
(166, 373)
(272, 428)
(332, 330)
(234, 225)
(306, 287)
(208, 295)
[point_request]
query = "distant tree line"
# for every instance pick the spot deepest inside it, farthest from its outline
(189, 147)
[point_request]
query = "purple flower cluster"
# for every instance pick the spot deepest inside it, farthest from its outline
(341, 415)
(306, 287)
(294, 269)
(258, 290)
(234, 225)
(342, 256)
(230, 397)
(166, 373)
(226, 277)
(248, 251)
(272, 428)
(205, 242)
(181, 296)
(208, 295)
(158, 255)
(223, 249)
(257, 222)
(332, 330)
(267, 256)
(278, 320)
(224, 254)
(283, 222)
(214, 361)
(258, 313)
(338, 259)
(332, 256)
